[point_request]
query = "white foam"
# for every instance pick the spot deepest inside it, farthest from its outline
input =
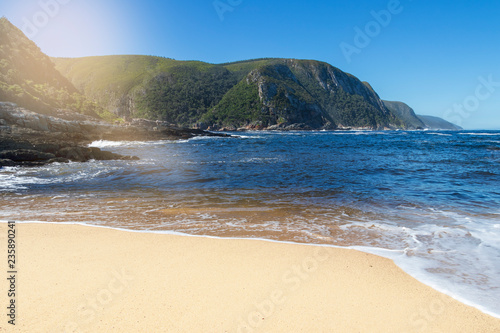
(439, 134)
(203, 137)
(106, 143)
(242, 136)
(12, 179)
(482, 134)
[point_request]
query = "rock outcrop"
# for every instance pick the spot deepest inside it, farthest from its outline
(31, 139)
(27, 147)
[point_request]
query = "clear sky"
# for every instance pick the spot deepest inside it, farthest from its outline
(440, 57)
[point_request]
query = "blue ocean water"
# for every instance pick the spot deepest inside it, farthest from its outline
(429, 200)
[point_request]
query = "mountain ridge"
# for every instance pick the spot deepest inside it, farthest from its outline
(258, 93)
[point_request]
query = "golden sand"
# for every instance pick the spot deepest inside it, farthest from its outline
(74, 278)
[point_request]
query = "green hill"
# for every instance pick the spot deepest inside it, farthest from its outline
(261, 92)
(149, 87)
(28, 77)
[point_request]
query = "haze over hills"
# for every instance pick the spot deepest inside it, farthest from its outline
(432, 122)
(28, 77)
(406, 113)
(255, 94)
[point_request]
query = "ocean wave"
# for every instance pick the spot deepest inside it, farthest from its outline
(106, 143)
(204, 137)
(481, 134)
(439, 134)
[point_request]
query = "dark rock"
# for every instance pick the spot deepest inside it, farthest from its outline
(48, 147)
(7, 162)
(298, 127)
(278, 127)
(76, 154)
(35, 139)
(228, 129)
(98, 154)
(22, 155)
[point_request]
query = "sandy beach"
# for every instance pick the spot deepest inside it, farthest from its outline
(73, 278)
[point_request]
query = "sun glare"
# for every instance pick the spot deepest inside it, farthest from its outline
(66, 28)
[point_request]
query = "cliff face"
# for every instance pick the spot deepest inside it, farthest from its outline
(302, 94)
(284, 100)
(345, 100)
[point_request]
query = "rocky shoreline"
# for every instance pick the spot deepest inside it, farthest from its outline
(31, 139)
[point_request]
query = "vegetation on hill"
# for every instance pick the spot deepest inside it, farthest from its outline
(29, 78)
(189, 93)
(184, 93)
(240, 105)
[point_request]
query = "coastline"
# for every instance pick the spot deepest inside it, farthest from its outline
(75, 278)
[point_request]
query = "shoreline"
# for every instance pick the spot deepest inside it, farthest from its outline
(389, 254)
(197, 281)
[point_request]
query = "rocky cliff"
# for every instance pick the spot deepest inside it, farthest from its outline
(301, 94)
(279, 94)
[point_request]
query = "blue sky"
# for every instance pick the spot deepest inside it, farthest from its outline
(440, 57)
